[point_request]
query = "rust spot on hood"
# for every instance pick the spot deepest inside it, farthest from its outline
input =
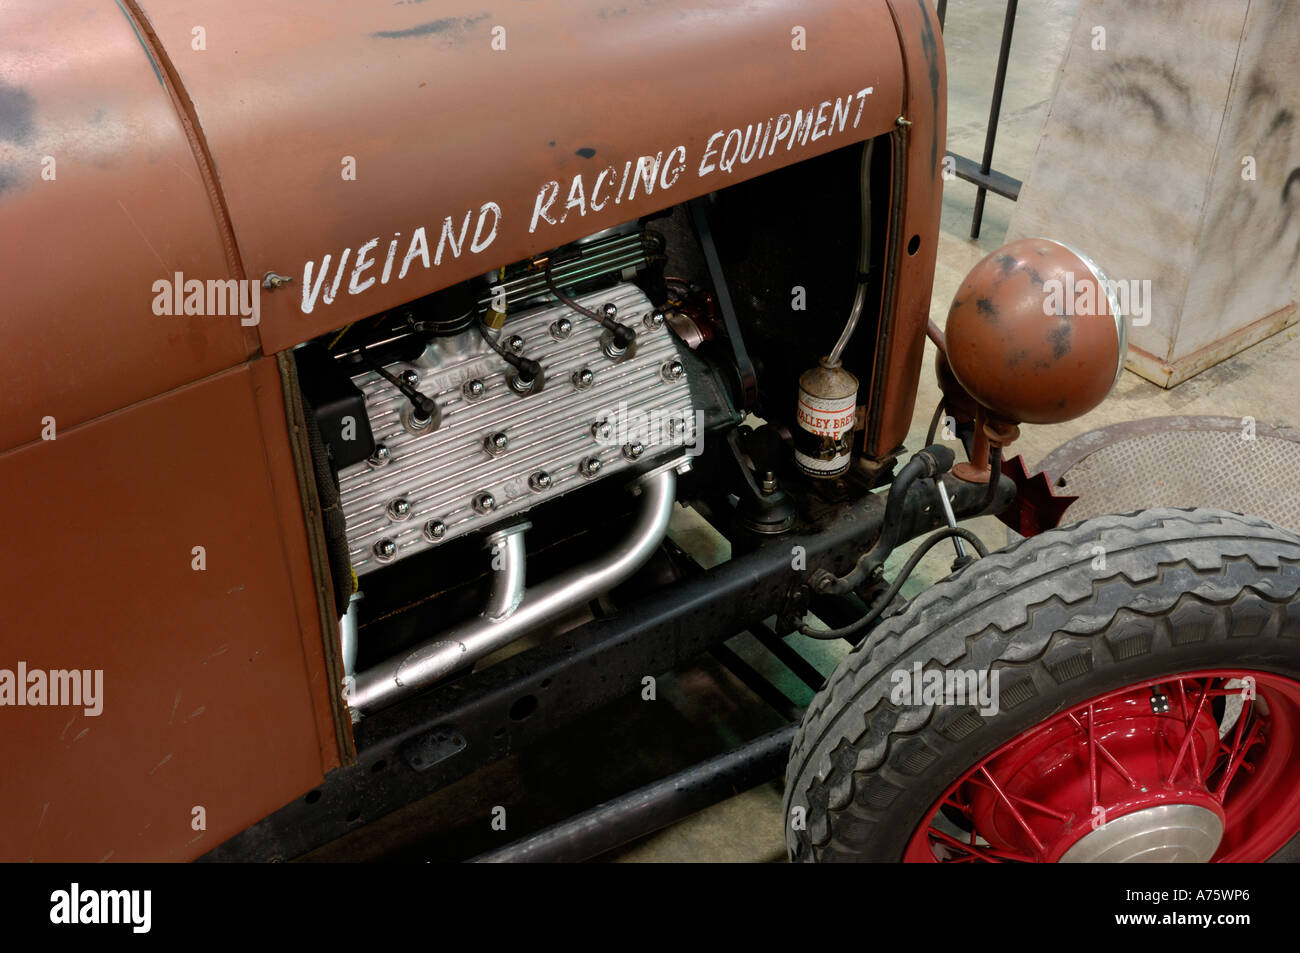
(15, 115)
(452, 28)
(1060, 338)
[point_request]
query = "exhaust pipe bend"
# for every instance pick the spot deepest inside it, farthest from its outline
(475, 638)
(508, 572)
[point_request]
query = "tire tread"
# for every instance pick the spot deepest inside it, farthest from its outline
(1035, 611)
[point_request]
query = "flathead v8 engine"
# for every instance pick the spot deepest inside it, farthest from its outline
(461, 414)
(495, 447)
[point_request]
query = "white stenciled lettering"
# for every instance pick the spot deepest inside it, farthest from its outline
(802, 126)
(707, 166)
(780, 132)
(310, 291)
(542, 206)
(388, 262)
(627, 171)
(419, 248)
(747, 150)
(595, 189)
(647, 169)
(724, 150)
(480, 243)
(329, 296)
(449, 238)
(673, 166)
(577, 199)
(818, 132)
(861, 96)
(724, 163)
(363, 263)
(840, 116)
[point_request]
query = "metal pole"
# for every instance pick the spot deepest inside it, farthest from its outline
(804, 670)
(653, 807)
(1004, 53)
(756, 683)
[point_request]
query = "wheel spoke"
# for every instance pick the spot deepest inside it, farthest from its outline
(1023, 801)
(1038, 845)
(1237, 754)
(1188, 736)
(1238, 733)
(986, 854)
(1235, 761)
(1102, 750)
(1092, 761)
(969, 851)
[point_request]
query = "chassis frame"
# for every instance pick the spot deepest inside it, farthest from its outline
(416, 749)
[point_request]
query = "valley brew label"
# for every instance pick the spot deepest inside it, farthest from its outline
(823, 441)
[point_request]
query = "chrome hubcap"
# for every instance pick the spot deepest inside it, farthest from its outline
(1166, 834)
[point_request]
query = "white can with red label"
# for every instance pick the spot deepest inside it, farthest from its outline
(826, 415)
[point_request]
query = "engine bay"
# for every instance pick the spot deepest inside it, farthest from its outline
(513, 412)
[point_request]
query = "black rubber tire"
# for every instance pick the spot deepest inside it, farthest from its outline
(1181, 590)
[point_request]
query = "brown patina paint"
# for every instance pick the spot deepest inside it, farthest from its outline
(1016, 351)
(918, 166)
(213, 683)
(79, 254)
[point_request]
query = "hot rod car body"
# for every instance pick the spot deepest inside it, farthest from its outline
(207, 209)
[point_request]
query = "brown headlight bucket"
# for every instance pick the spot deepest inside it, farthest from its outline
(1034, 333)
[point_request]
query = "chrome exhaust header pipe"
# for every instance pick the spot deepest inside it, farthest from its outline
(508, 572)
(348, 635)
(499, 625)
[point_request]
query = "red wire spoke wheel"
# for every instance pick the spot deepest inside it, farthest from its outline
(1145, 707)
(1194, 768)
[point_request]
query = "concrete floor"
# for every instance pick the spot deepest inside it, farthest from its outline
(1263, 381)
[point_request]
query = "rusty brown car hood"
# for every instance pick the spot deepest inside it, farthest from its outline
(441, 126)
